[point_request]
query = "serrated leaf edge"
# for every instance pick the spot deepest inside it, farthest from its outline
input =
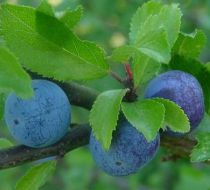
(167, 100)
(161, 124)
(90, 120)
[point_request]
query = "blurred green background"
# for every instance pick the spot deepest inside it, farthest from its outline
(107, 23)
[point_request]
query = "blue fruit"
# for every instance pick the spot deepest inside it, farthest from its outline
(181, 88)
(42, 120)
(129, 151)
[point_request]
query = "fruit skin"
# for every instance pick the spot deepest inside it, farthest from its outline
(129, 151)
(42, 120)
(181, 88)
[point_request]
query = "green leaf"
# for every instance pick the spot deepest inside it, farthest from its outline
(12, 76)
(123, 53)
(5, 143)
(147, 116)
(45, 8)
(155, 45)
(153, 16)
(204, 126)
(36, 176)
(71, 17)
(170, 17)
(144, 69)
(45, 45)
(175, 118)
(197, 69)
(201, 151)
(207, 65)
(104, 115)
(148, 9)
(185, 42)
(155, 28)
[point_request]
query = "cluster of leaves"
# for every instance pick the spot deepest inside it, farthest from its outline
(156, 45)
(41, 41)
(154, 30)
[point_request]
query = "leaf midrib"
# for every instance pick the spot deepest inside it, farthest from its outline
(48, 41)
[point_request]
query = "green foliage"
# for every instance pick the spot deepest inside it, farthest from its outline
(5, 143)
(12, 77)
(104, 115)
(153, 43)
(46, 8)
(36, 176)
(71, 18)
(201, 151)
(153, 32)
(141, 15)
(123, 53)
(175, 118)
(190, 45)
(57, 52)
(144, 69)
(193, 177)
(158, 26)
(147, 116)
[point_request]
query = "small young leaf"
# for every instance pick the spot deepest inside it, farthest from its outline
(154, 44)
(185, 42)
(71, 17)
(45, 45)
(147, 116)
(155, 28)
(104, 115)
(144, 68)
(199, 70)
(36, 176)
(170, 17)
(148, 9)
(12, 76)
(201, 151)
(45, 8)
(152, 40)
(175, 118)
(153, 16)
(123, 53)
(5, 143)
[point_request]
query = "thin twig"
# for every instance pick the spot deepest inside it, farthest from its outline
(116, 77)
